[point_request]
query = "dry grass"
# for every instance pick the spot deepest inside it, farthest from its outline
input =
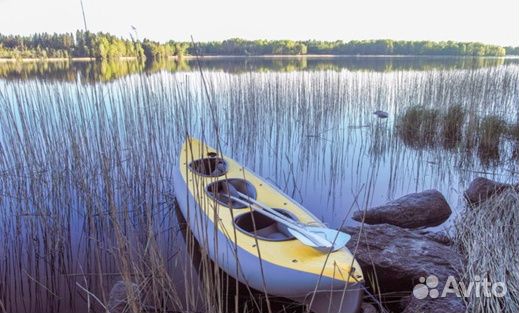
(487, 235)
(85, 179)
(86, 182)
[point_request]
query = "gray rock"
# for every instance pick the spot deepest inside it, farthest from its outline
(439, 305)
(400, 258)
(368, 308)
(119, 298)
(438, 236)
(423, 209)
(481, 189)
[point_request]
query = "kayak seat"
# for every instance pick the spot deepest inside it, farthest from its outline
(212, 167)
(219, 191)
(263, 227)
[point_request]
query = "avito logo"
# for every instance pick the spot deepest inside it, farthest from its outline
(428, 287)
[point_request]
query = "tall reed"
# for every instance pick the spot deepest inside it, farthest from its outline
(86, 170)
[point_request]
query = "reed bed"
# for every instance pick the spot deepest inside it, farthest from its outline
(491, 130)
(418, 126)
(86, 191)
(453, 129)
(452, 126)
(487, 234)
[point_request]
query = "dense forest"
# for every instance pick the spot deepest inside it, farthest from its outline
(354, 47)
(105, 46)
(85, 45)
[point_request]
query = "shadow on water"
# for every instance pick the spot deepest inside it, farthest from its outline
(86, 169)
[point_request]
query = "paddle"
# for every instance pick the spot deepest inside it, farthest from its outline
(320, 238)
(334, 238)
(302, 234)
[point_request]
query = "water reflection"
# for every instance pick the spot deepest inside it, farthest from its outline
(88, 71)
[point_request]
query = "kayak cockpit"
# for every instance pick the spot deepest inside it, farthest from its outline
(251, 223)
(258, 225)
(209, 167)
(222, 190)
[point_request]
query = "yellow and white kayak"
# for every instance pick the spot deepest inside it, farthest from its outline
(253, 248)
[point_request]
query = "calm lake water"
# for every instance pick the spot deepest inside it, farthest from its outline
(87, 152)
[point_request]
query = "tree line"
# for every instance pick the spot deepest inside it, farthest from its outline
(84, 44)
(353, 47)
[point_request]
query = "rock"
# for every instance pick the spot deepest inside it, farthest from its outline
(368, 308)
(440, 237)
(423, 209)
(119, 302)
(481, 189)
(439, 305)
(400, 259)
(381, 114)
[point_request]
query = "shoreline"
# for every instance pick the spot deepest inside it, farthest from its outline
(338, 56)
(265, 56)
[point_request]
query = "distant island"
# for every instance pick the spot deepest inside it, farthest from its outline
(104, 46)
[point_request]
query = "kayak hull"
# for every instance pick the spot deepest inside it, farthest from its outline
(321, 293)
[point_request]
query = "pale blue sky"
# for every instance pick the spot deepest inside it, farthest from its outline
(490, 21)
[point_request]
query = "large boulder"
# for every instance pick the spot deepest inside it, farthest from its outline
(423, 209)
(438, 236)
(438, 305)
(481, 189)
(401, 259)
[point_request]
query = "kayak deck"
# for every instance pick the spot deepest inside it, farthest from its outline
(274, 245)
